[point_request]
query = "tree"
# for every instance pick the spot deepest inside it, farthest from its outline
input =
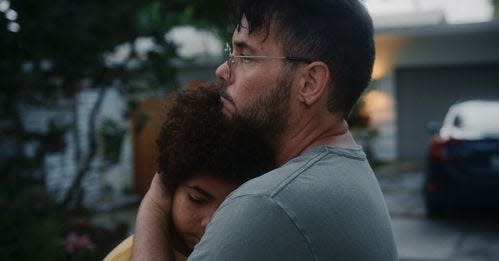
(50, 50)
(495, 4)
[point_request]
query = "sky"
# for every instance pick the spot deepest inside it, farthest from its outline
(455, 11)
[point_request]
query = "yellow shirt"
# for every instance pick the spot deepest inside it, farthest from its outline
(123, 252)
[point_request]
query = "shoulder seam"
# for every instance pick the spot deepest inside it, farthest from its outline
(309, 244)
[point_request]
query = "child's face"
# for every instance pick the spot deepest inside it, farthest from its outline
(194, 203)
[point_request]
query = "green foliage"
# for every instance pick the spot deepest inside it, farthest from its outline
(495, 4)
(61, 48)
(30, 224)
(142, 119)
(33, 228)
(112, 134)
(62, 43)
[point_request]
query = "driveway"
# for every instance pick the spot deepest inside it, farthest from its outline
(458, 237)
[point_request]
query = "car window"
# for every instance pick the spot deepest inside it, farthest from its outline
(458, 121)
(472, 120)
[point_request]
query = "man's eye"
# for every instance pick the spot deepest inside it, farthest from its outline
(246, 59)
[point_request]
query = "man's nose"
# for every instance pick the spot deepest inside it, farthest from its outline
(222, 72)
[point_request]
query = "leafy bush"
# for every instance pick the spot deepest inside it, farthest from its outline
(34, 228)
(31, 226)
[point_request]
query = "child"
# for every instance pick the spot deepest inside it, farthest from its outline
(203, 156)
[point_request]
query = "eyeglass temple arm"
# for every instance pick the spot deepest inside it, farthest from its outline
(297, 59)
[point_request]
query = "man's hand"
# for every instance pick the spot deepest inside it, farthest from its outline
(152, 239)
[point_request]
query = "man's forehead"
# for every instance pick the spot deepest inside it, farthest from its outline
(243, 39)
(241, 33)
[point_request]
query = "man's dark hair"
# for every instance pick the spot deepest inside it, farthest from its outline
(336, 32)
(197, 139)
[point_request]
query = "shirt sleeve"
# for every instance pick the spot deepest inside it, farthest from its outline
(123, 252)
(252, 228)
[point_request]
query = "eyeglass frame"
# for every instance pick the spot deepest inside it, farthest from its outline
(229, 58)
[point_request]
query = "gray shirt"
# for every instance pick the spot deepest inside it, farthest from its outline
(325, 204)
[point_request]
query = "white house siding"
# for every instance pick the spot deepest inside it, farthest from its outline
(117, 178)
(384, 145)
(61, 167)
(97, 184)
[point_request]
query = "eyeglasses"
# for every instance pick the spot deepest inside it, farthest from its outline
(230, 59)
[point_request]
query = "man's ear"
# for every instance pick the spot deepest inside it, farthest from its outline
(315, 82)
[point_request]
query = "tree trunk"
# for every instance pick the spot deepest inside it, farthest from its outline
(75, 189)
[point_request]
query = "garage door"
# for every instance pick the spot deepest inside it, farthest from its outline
(424, 94)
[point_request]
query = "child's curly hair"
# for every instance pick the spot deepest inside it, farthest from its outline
(197, 139)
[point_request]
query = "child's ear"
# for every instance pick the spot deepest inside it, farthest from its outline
(314, 84)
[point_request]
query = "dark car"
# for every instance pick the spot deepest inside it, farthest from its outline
(462, 170)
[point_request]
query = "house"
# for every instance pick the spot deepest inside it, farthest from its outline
(421, 68)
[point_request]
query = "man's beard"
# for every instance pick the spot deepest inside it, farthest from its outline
(269, 113)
